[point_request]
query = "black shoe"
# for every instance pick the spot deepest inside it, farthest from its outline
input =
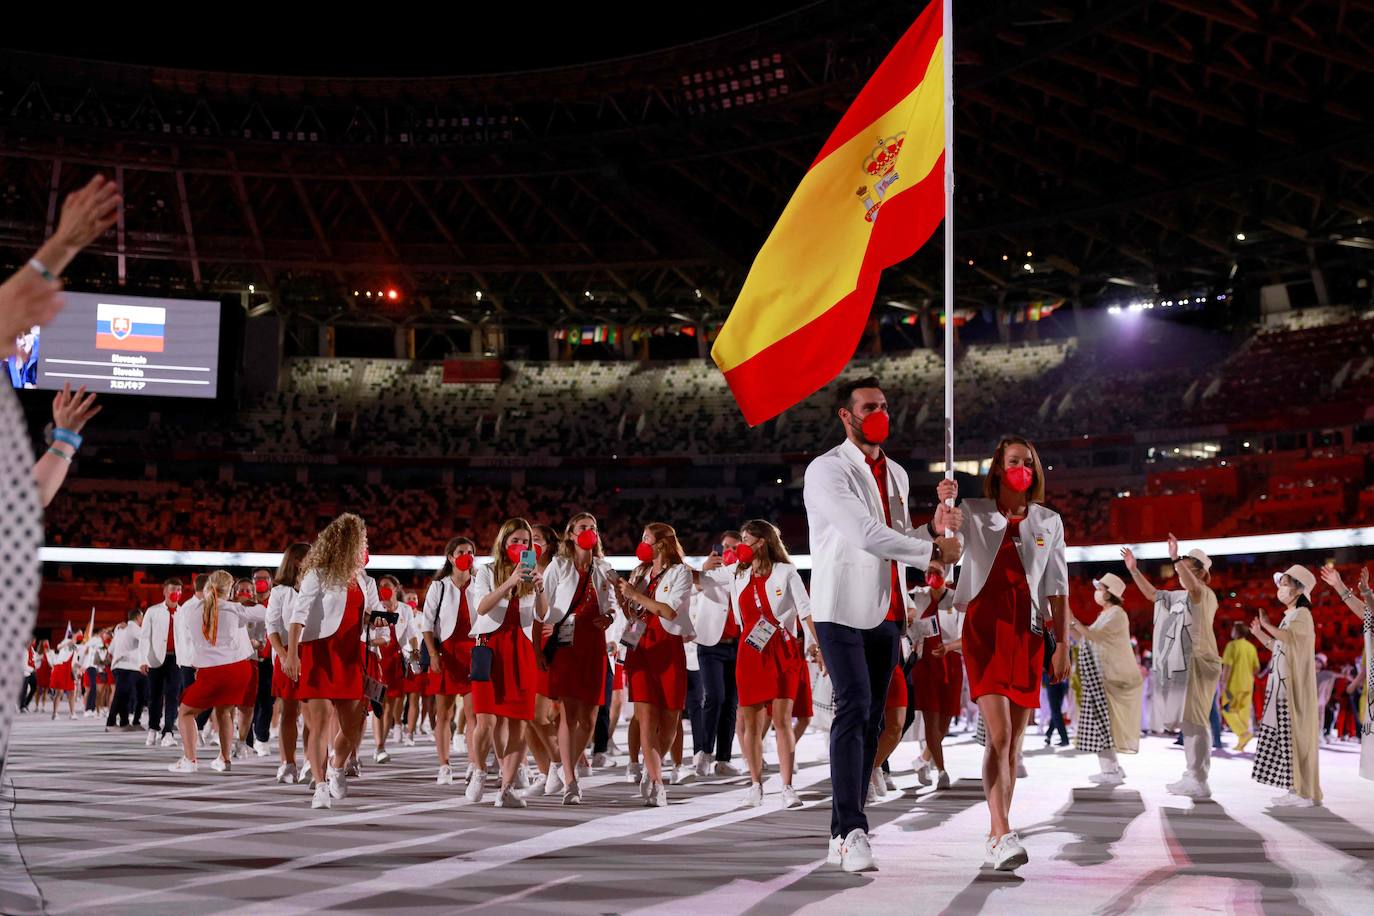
(1063, 742)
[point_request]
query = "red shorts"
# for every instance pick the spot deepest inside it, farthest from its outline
(234, 684)
(896, 690)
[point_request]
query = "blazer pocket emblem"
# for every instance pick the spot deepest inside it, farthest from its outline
(1039, 541)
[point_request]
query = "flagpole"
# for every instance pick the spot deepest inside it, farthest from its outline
(948, 32)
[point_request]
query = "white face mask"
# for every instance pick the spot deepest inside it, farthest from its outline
(1100, 598)
(1287, 595)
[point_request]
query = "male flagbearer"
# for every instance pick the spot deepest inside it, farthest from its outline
(861, 543)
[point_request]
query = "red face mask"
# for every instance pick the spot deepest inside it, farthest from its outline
(1018, 478)
(385, 593)
(744, 553)
(262, 586)
(874, 427)
(174, 597)
(513, 553)
(935, 580)
(462, 562)
(245, 595)
(730, 558)
(587, 540)
(413, 602)
(645, 552)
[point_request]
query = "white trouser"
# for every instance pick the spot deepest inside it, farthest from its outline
(1197, 750)
(1107, 760)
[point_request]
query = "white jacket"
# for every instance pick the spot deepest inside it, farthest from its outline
(152, 642)
(124, 647)
(710, 606)
(443, 601)
(785, 592)
(851, 542)
(1041, 551)
(950, 620)
(230, 643)
(560, 585)
(675, 589)
(187, 616)
(278, 606)
(482, 585)
(320, 609)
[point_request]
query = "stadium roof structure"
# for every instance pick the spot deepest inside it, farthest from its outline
(1105, 150)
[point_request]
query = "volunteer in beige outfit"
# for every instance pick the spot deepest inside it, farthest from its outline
(1111, 681)
(1363, 608)
(1187, 665)
(1289, 732)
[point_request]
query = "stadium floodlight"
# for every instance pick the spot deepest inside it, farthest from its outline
(1113, 310)
(1240, 236)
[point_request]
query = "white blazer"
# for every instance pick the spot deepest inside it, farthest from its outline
(230, 643)
(784, 590)
(1041, 551)
(675, 589)
(560, 585)
(186, 615)
(851, 542)
(443, 600)
(278, 606)
(320, 609)
(124, 647)
(483, 585)
(152, 642)
(710, 606)
(951, 621)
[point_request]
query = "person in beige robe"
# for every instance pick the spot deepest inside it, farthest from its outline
(1110, 638)
(1293, 692)
(1362, 606)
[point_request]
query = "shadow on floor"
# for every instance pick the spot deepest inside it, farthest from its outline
(1334, 832)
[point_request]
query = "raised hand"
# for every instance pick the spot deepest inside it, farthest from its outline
(1173, 547)
(947, 519)
(1332, 578)
(73, 411)
(86, 214)
(1364, 577)
(1129, 559)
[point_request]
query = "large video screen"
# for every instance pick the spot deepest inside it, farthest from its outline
(125, 345)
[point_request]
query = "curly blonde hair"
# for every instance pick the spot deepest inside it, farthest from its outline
(335, 554)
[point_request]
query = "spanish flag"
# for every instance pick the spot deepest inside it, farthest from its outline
(873, 197)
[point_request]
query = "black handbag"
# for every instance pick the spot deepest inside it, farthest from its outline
(481, 663)
(1050, 645)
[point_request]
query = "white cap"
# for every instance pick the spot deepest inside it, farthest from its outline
(1201, 557)
(1302, 574)
(1112, 583)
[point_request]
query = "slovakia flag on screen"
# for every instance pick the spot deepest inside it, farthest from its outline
(137, 328)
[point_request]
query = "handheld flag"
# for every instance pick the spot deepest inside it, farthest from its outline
(806, 300)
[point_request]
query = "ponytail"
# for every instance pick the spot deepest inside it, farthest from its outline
(209, 615)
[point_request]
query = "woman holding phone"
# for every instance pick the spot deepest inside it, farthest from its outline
(581, 589)
(509, 592)
(446, 623)
(656, 602)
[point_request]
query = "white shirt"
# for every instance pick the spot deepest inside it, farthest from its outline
(783, 589)
(443, 601)
(320, 608)
(187, 617)
(231, 641)
(852, 546)
(152, 641)
(483, 585)
(124, 647)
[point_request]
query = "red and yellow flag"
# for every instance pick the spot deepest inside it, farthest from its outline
(806, 300)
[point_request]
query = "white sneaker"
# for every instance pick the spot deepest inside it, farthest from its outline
(305, 774)
(633, 772)
(408, 740)
(150, 740)
(337, 782)
(645, 786)
(1008, 853)
(73, 717)
(660, 796)
(790, 799)
(888, 782)
(1189, 787)
(583, 770)
(353, 769)
(601, 761)
(184, 766)
(726, 768)
(572, 795)
(923, 770)
(261, 748)
(287, 774)
(425, 728)
(855, 853)
(445, 777)
(989, 857)
(612, 749)
(1021, 772)
(755, 797)
(471, 771)
(1114, 778)
(1292, 800)
(220, 765)
(274, 733)
(673, 775)
(553, 784)
(680, 775)
(872, 793)
(381, 756)
(941, 779)
(473, 792)
(522, 777)
(702, 762)
(169, 740)
(459, 744)
(509, 798)
(321, 798)
(832, 856)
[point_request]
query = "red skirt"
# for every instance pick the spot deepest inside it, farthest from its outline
(332, 668)
(282, 686)
(937, 683)
(62, 678)
(801, 706)
(774, 673)
(896, 690)
(234, 684)
(1001, 654)
(657, 669)
(392, 669)
(618, 679)
(454, 673)
(510, 692)
(578, 671)
(43, 674)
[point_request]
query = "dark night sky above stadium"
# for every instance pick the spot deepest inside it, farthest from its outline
(483, 38)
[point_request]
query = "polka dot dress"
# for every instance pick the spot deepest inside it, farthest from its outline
(21, 534)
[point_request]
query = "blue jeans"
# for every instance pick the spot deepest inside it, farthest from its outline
(860, 663)
(721, 702)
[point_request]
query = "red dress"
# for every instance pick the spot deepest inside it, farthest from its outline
(43, 673)
(62, 677)
(452, 676)
(762, 677)
(510, 692)
(234, 684)
(579, 671)
(657, 668)
(1001, 654)
(390, 663)
(283, 687)
(937, 682)
(332, 667)
(896, 690)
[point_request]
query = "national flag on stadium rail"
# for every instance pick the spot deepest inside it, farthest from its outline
(805, 303)
(136, 328)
